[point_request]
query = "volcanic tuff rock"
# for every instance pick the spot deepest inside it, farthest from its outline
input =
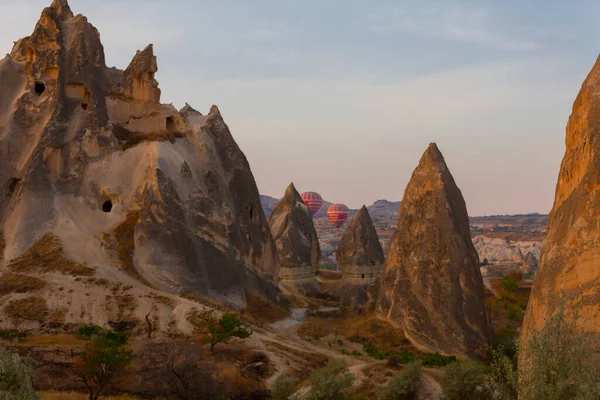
(431, 284)
(295, 236)
(359, 244)
(568, 270)
(134, 190)
(530, 264)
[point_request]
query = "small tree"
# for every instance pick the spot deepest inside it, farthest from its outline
(511, 281)
(332, 382)
(16, 378)
(502, 377)
(101, 362)
(219, 330)
(405, 385)
(283, 388)
(464, 380)
(563, 362)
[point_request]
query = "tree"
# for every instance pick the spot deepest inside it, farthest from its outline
(563, 362)
(464, 380)
(332, 382)
(16, 377)
(101, 362)
(176, 372)
(219, 330)
(405, 385)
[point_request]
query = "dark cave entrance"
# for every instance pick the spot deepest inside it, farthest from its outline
(363, 276)
(170, 124)
(107, 206)
(39, 88)
(84, 106)
(12, 185)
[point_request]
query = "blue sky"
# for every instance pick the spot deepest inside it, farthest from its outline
(342, 97)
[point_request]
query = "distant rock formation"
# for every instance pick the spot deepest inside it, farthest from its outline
(530, 264)
(431, 284)
(359, 253)
(504, 252)
(135, 190)
(568, 272)
(295, 237)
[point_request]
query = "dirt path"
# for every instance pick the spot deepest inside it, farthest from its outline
(285, 333)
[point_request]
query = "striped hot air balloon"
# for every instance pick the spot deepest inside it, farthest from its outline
(313, 201)
(337, 214)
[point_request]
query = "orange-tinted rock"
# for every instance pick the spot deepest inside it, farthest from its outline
(570, 257)
(431, 284)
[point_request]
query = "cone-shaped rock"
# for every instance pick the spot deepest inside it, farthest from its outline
(431, 284)
(568, 270)
(295, 237)
(95, 172)
(359, 252)
(530, 264)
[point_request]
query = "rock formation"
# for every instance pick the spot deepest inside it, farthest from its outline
(295, 237)
(568, 272)
(359, 253)
(504, 252)
(530, 264)
(134, 190)
(431, 284)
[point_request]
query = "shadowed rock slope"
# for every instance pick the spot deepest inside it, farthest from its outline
(431, 284)
(134, 190)
(568, 269)
(360, 244)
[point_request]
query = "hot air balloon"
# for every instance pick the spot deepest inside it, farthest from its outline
(337, 214)
(313, 201)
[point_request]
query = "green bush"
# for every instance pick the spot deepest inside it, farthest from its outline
(405, 385)
(510, 282)
(332, 382)
(502, 377)
(11, 335)
(87, 331)
(513, 311)
(465, 380)
(562, 362)
(437, 360)
(283, 388)
(16, 378)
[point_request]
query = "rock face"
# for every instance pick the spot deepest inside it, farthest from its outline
(295, 236)
(359, 253)
(431, 284)
(137, 191)
(504, 252)
(530, 264)
(568, 270)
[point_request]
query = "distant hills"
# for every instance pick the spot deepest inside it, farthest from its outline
(385, 209)
(379, 209)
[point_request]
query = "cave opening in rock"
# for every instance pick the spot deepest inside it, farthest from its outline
(170, 124)
(363, 276)
(39, 88)
(84, 106)
(107, 206)
(12, 186)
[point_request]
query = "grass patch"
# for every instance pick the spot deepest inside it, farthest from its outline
(11, 282)
(124, 234)
(32, 309)
(47, 256)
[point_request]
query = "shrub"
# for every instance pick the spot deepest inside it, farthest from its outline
(283, 388)
(16, 378)
(502, 377)
(87, 331)
(510, 282)
(405, 385)
(100, 364)
(332, 382)
(513, 311)
(219, 330)
(562, 362)
(464, 380)
(437, 360)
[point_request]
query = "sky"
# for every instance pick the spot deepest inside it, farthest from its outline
(342, 97)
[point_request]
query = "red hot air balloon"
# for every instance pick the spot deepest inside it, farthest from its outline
(313, 201)
(337, 214)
